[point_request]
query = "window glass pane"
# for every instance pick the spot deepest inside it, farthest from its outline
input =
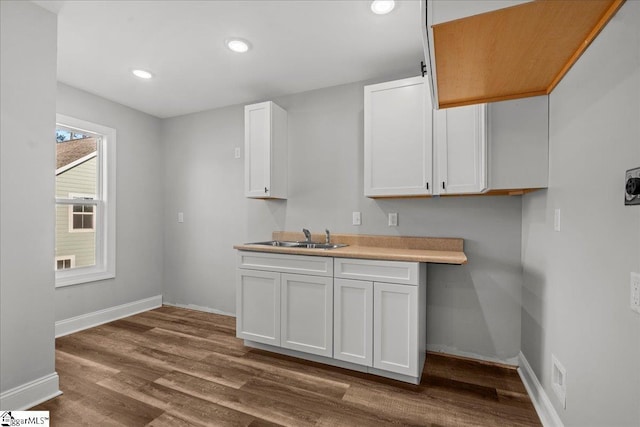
(75, 236)
(76, 163)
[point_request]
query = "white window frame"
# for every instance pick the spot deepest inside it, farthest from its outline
(104, 202)
(81, 198)
(71, 258)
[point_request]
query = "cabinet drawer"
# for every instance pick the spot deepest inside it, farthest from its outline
(407, 273)
(298, 264)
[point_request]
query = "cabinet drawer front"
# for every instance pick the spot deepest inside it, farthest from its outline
(298, 264)
(406, 273)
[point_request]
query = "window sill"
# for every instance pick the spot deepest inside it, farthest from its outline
(83, 277)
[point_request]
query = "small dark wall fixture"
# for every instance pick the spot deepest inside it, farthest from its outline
(632, 187)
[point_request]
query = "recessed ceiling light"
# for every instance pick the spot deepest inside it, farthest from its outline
(237, 45)
(381, 7)
(142, 74)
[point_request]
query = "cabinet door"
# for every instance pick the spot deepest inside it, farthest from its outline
(397, 138)
(258, 306)
(257, 149)
(395, 322)
(307, 314)
(461, 149)
(353, 321)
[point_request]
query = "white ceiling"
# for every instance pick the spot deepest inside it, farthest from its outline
(296, 46)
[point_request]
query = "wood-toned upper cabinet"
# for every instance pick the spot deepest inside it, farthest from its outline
(398, 138)
(265, 147)
(460, 149)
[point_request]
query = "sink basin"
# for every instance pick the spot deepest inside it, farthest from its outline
(303, 245)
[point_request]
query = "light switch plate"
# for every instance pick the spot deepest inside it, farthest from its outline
(356, 218)
(393, 219)
(635, 292)
(556, 220)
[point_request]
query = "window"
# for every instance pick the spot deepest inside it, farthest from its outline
(85, 201)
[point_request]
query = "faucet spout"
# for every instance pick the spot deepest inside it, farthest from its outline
(327, 236)
(307, 234)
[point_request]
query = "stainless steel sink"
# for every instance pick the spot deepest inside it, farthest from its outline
(303, 245)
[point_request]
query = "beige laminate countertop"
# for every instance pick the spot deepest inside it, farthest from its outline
(391, 248)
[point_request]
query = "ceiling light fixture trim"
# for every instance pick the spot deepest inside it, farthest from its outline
(238, 45)
(382, 7)
(143, 74)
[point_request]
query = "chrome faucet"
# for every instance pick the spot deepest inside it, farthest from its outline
(307, 235)
(327, 236)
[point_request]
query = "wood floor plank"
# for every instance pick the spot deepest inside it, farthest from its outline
(176, 367)
(259, 405)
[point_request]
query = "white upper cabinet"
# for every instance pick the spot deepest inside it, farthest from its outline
(265, 147)
(460, 149)
(412, 150)
(397, 138)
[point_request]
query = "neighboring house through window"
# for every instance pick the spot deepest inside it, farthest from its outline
(85, 201)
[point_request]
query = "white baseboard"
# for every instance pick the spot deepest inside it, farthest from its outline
(547, 413)
(30, 394)
(438, 348)
(200, 308)
(89, 320)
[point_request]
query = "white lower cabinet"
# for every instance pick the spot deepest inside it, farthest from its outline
(285, 301)
(353, 321)
(307, 313)
(258, 306)
(380, 324)
(395, 328)
(348, 311)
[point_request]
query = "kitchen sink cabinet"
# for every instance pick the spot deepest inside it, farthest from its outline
(265, 150)
(368, 315)
(285, 301)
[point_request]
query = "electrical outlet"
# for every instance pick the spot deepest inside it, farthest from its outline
(236, 153)
(635, 292)
(559, 380)
(356, 218)
(180, 217)
(393, 219)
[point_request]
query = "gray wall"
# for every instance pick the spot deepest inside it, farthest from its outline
(27, 172)
(576, 281)
(473, 309)
(139, 198)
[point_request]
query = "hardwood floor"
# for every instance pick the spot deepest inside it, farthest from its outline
(176, 367)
